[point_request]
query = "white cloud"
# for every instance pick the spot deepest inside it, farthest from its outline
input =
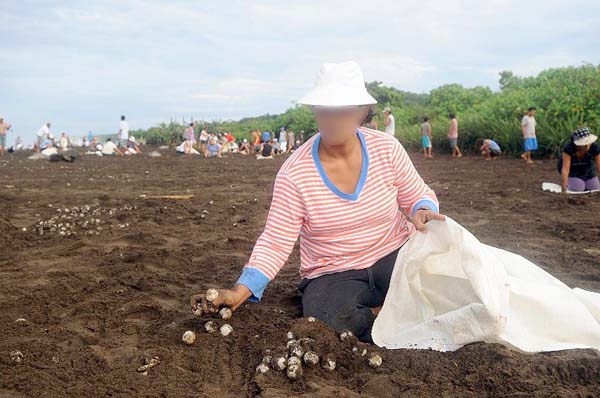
(156, 59)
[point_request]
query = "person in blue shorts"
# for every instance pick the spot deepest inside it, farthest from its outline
(529, 137)
(426, 137)
(489, 148)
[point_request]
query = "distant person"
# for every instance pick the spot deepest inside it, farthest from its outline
(277, 150)
(132, 147)
(370, 121)
(203, 138)
(123, 133)
(223, 143)
(244, 147)
(18, 143)
(489, 148)
(389, 121)
(291, 139)
(266, 136)
(283, 139)
(42, 135)
(64, 142)
(255, 140)
(109, 148)
(213, 148)
(47, 143)
(189, 139)
(266, 151)
(580, 162)
(231, 144)
(528, 125)
(453, 136)
(4, 127)
(426, 137)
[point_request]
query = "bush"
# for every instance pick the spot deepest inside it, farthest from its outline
(566, 98)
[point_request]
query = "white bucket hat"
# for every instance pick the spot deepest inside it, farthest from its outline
(583, 137)
(339, 84)
(132, 139)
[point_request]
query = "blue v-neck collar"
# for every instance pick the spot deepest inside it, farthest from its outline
(363, 171)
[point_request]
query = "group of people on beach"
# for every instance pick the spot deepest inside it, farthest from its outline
(47, 144)
(264, 144)
(488, 148)
(578, 165)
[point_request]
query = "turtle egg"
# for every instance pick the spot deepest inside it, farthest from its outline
(16, 356)
(297, 351)
(375, 360)
(290, 335)
(294, 372)
(225, 313)
(311, 319)
(291, 343)
(212, 294)
(210, 326)
(197, 311)
(267, 359)
(188, 337)
(293, 361)
(262, 368)
(311, 358)
(279, 363)
(226, 330)
(328, 362)
(345, 335)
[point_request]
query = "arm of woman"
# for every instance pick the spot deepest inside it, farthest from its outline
(564, 172)
(415, 197)
(271, 251)
(597, 159)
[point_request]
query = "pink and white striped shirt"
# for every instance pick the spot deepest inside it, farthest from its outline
(338, 231)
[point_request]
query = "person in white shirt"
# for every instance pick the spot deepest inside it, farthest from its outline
(123, 131)
(529, 138)
(42, 135)
(64, 141)
(283, 139)
(4, 127)
(389, 122)
(18, 143)
(203, 138)
(110, 148)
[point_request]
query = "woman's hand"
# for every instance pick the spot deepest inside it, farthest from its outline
(423, 216)
(231, 298)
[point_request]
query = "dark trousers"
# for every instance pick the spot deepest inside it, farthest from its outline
(344, 299)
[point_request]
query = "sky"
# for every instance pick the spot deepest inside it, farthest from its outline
(80, 65)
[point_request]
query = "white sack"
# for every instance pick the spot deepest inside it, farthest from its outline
(448, 289)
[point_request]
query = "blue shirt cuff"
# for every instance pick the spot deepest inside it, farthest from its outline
(255, 280)
(425, 203)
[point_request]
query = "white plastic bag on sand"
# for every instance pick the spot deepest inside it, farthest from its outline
(448, 289)
(555, 188)
(49, 151)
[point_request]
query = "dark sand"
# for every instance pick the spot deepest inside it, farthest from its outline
(97, 306)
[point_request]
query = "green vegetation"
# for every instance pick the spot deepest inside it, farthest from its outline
(565, 98)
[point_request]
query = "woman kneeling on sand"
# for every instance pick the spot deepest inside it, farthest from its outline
(580, 162)
(345, 192)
